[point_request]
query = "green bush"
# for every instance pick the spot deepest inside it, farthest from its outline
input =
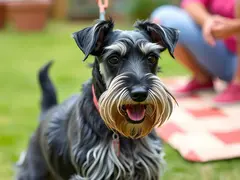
(141, 9)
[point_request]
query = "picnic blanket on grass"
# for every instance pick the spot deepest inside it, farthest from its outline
(199, 131)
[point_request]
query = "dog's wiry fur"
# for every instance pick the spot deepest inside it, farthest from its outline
(117, 95)
(74, 140)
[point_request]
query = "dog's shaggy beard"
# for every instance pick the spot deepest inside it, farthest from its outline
(159, 106)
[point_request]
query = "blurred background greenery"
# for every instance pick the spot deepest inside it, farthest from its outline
(124, 9)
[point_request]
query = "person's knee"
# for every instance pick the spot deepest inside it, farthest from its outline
(171, 16)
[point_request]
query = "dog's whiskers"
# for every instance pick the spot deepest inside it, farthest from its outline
(158, 106)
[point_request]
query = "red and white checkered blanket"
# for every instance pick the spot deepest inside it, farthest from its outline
(199, 131)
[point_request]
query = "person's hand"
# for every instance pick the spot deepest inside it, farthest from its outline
(207, 29)
(224, 28)
(217, 27)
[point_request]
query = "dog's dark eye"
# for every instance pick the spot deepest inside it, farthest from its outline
(152, 59)
(113, 60)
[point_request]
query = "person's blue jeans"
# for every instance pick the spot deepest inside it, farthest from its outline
(218, 60)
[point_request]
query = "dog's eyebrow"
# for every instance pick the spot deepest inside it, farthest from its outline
(147, 47)
(119, 47)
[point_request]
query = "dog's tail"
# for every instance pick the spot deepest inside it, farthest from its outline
(49, 96)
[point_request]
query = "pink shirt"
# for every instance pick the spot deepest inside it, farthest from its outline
(222, 7)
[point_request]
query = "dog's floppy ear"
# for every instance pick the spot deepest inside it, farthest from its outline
(90, 40)
(165, 36)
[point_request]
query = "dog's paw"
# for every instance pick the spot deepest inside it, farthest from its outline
(77, 177)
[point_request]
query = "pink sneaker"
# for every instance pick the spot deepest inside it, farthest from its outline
(229, 96)
(194, 86)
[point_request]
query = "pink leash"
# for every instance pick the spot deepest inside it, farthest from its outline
(103, 5)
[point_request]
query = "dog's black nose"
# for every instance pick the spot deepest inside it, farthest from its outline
(139, 93)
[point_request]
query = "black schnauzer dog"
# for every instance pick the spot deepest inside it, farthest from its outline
(107, 132)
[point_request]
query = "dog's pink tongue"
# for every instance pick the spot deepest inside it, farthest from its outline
(135, 112)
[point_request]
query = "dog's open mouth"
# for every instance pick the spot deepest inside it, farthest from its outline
(135, 113)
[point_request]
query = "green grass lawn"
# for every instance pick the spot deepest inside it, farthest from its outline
(22, 54)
